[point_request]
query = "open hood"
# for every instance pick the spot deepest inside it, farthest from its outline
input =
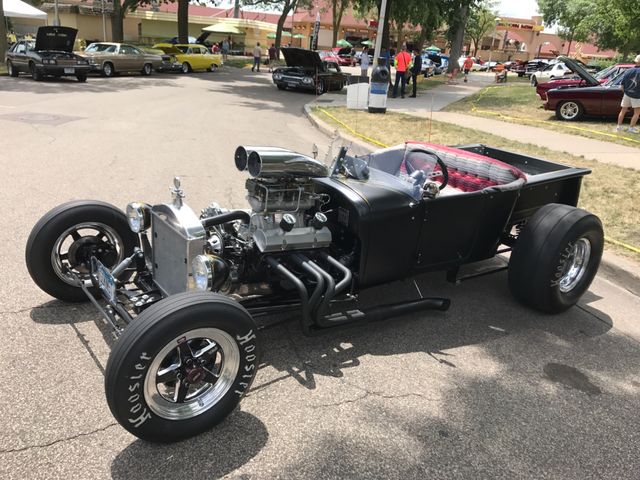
(299, 57)
(56, 38)
(168, 49)
(579, 70)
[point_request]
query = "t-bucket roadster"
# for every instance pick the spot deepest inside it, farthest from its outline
(182, 290)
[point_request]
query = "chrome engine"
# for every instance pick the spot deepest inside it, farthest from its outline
(281, 195)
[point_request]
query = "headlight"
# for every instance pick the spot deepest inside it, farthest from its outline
(138, 216)
(49, 61)
(277, 76)
(307, 80)
(202, 272)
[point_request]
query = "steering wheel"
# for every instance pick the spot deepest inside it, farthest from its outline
(443, 167)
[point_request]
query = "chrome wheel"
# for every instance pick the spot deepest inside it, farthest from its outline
(73, 249)
(107, 69)
(191, 373)
(569, 110)
(185, 67)
(575, 265)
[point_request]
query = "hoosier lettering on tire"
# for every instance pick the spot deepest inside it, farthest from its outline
(182, 367)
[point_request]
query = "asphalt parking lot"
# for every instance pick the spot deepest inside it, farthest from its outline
(486, 390)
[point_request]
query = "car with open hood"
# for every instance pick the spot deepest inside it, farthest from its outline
(50, 55)
(192, 56)
(594, 99)
(602, 76)
(307, 71)
(110, 58)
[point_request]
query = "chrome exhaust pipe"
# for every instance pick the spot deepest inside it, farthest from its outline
(241, 155)
(284, 163)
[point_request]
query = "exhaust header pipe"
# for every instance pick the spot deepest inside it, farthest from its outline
(264, 163)
(241, 155)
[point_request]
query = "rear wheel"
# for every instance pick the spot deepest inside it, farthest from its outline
(146, 69)
(108, 70)
(182, 366)
(569, 110)
(555, 258)
(63, 241)
(213, 67)
(13, 71)
(186, 68)
(534, 80)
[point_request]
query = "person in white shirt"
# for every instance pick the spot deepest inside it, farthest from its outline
(364, 62)
(257, 54)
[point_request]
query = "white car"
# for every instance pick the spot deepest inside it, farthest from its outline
(550, 72)
(476, 66)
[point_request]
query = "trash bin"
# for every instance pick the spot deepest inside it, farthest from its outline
(357, 92)
(378, 88)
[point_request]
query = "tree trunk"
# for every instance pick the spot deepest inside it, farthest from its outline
(570, 42)
(458, 39)
(337, 9)
(183, 21)
(280, 26)
(117, 21)
(3, 33)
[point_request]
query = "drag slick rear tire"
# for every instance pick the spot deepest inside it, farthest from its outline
(555, 258)
(66, 237)
(182, 366)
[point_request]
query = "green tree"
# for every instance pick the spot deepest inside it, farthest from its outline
(614, 25)
(285, 7)
(569, 16)
(338, 8)
(482, 21)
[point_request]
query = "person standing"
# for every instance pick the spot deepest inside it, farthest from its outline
(631, 97)
(257, 55)
(364, 62)
(272, 56)
(225, 49)
(467, 66)
(352, 56)
(402, 64)
(416, 69)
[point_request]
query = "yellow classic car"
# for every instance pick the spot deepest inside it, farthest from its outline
(192, 56)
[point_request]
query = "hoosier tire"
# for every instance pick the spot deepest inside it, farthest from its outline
(556, 258)
(78, 225)
(158, 383)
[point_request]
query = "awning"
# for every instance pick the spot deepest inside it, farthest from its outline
(20, 9)
(272, 35)
(223, 28)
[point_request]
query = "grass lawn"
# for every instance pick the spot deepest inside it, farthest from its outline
(616, 204)
(518, 102)
(238, 62)
(3, 69)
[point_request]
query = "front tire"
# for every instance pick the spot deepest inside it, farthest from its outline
(182, 366)
(569, 111)
(186, 68)
(13, 71)
(146, 69)
(35, 73)
(64, 240)
(82, 77)
(556, 258)
(108, 70)
(534, 81)
(320, 87)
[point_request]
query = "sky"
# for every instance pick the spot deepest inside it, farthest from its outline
(517, 8)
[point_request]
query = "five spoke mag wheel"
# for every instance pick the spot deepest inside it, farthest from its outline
(182, 366)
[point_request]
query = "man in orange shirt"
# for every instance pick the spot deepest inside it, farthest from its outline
(467, 66)
(403, 63)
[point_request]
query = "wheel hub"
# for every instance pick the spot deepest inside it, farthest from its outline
(81, 251)
(195, 375)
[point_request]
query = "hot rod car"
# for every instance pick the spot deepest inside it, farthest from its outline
(183, 291)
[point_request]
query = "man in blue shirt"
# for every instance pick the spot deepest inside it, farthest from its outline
(631, 97)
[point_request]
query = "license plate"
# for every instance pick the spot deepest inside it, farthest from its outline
(291, 84)
(106, 282)
(69, 70)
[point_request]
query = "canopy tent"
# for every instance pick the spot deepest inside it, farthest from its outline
(432, 48)
(272, 35)
(343, 43)
(20, 9)
(368, 43)
(223, 28)
(299, 35)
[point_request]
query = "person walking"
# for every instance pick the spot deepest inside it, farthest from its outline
(416, 69)
(352, 56)
(402, 64)
(631, 97)
(272, 56)
(257, 55)
(364, 62)
(467, 65)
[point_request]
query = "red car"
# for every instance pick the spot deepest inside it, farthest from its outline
(595, 99)
(329, 56)
(602, 76)
(343, 54)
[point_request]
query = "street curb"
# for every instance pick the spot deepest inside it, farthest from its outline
(617, 269)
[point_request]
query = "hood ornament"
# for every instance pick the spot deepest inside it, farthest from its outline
(177, 194)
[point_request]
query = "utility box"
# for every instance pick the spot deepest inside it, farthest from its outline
(378, 88)
(357, 92)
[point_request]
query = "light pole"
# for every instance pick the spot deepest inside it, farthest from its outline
(56, 17)
(540, 48)
(493, 34)
(376, 51)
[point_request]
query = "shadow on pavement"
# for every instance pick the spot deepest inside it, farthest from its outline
(50, 85)
(213, 454)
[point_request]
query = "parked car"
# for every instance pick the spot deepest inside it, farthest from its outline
(489, 66)
(476, 66)
(434, 62)
(305, 70)
(602, 76)
(169, 63)
(595, 99)
(50, 55)
(550, 72)
(344, 55)
(518, 67)
(183, 292)
(329, 56)
(109, 59)
(192, 56)
(535, 65)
